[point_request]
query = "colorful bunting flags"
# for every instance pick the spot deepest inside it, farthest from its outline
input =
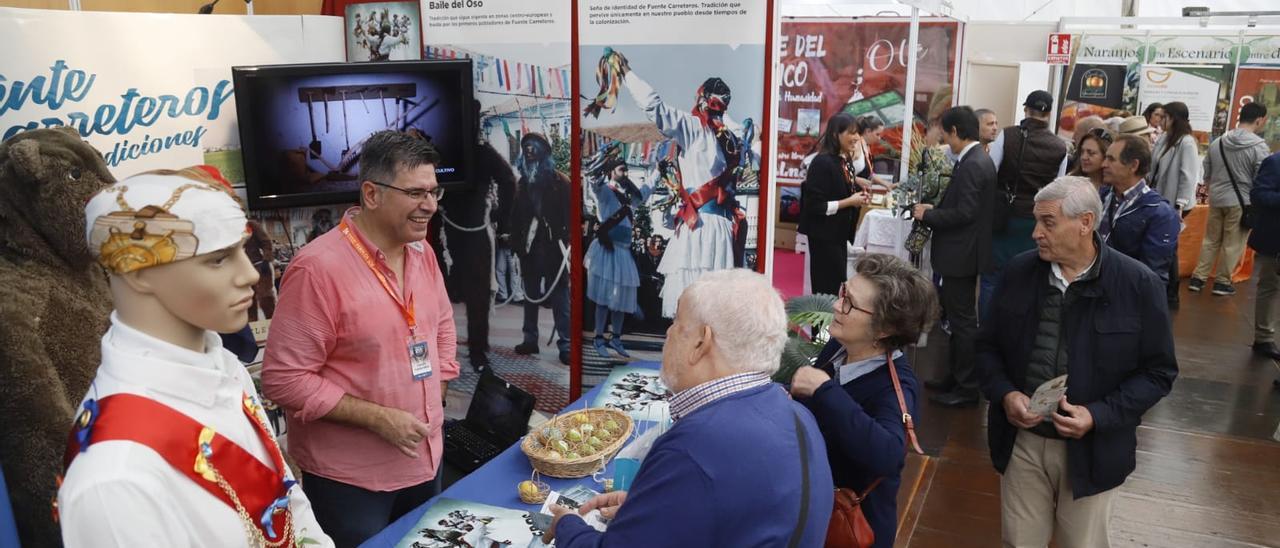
(497, 75)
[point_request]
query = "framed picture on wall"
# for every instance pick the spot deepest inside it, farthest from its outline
(382, 31)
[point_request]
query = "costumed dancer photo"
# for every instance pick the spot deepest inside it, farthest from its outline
(540, 238)
(613, 280)
(472, 219)
(171, 446)
(713, 156)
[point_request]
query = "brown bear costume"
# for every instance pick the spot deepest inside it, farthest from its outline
(54, 308)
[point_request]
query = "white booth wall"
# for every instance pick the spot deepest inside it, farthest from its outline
(997, 58)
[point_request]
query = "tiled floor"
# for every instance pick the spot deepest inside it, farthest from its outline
(1208, 470)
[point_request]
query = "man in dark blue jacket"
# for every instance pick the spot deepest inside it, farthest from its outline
(1265, 241)
(1136, 220)
(1073, 306)
(743, 464)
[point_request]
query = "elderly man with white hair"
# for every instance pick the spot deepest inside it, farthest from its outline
(743, 465)
(1074, 307)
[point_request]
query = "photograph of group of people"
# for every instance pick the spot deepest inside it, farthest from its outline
(383, 31)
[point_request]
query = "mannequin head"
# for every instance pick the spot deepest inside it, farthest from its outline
(173, 244)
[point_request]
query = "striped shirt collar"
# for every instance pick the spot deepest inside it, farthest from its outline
(690, 400)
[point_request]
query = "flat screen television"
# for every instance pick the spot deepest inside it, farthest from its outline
(302, 126)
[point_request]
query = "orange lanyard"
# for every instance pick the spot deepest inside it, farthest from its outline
(405, 309)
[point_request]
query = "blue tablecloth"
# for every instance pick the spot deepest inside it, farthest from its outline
(495, 482)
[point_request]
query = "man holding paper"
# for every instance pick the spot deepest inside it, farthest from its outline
(1078, 308)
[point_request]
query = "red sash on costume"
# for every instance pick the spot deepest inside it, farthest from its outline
(711, 190)
(177, 438)
(716, 188)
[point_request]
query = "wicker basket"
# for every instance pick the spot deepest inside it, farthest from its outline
(538, 497)
(544, 462)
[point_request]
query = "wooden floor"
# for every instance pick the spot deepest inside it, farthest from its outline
(1208, 470)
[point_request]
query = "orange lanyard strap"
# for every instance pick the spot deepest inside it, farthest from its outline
(405, 309)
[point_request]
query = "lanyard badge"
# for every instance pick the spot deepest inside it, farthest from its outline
(419, 356)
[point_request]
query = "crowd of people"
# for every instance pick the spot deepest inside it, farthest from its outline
(1038, 273)
(1073, 246)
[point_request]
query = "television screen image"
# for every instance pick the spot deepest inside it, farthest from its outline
(302, 127)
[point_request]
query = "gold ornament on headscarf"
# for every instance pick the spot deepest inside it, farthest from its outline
(131, 240)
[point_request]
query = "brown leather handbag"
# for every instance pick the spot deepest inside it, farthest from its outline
(849, 527)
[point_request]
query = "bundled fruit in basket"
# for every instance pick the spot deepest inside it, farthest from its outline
(575, 436)
(533, 490)
(577, 443)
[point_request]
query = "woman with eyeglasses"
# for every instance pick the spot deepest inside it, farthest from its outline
(884, 307)
(1090, 149)
(1175, 171)
(829, 201)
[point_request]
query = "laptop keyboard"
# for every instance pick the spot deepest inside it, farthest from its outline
(468, 441)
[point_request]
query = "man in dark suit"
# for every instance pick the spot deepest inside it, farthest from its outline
(961, 249)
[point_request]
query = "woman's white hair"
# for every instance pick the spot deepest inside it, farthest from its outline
(747, 317)
(1077, 194)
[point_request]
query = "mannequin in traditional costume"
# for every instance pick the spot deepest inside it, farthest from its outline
(171, 446)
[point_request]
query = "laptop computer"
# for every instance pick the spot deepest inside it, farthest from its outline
(498, 416)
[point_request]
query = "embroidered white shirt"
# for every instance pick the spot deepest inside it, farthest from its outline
(121, 493)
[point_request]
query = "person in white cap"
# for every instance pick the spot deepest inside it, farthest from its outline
(171, 446)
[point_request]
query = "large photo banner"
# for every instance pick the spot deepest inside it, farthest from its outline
(673, 108)
(1122, 74)
(1260, 85)
(1093, 89)
(505, 244)
(859, 67)
(138, 117)
(1102, 79)
(1201, 88)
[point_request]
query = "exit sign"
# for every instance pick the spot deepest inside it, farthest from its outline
(1059, 49)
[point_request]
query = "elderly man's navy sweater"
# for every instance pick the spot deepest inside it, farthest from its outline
(728, 474)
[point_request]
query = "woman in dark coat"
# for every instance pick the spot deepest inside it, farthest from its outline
(829, 200)
(881, 309)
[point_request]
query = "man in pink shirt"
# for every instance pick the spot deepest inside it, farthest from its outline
(362, 346)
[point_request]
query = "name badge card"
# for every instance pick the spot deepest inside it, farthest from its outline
(419, 357)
